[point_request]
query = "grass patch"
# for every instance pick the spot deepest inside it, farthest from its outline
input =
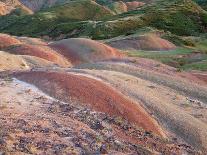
(202, 66)
(181, 58)
(202, 46)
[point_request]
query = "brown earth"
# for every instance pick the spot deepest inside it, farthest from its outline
(120, 7)
(200, 75)
(32, 41)
(10, 62)
(134, 5)
(146, 42)
(7, 40)
(53, 127)
(98, 96)
(40, 51)
(106, 101)
(17, 4)
(80, 50)
(171, 98)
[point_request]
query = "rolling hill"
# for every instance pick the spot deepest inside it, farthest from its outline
(103, 77)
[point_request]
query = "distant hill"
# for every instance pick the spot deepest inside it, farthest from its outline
(202, 3)
(36, 5)
(88, 18)
(16, 4)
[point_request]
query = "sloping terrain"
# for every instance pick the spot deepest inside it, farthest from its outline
(147, 42)
(180, 17)
(5, 9)
(80, 50)
(154, 99)
(39, 51)
(31, 47)
(103, 77)
(121, 7)
(7, 40)
(93, 93)
(202, 3)
(52, 126)
(9, 62)
(167, 115)
(133, 5)
(13, 5)
(40, 4)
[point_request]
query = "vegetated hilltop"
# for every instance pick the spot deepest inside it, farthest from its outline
(43, 21)
(202, 3)
(181, 17)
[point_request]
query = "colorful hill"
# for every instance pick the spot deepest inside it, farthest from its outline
(80, 50)
(103, 77)
(147, 42)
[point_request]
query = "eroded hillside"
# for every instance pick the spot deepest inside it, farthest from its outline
(103, 77)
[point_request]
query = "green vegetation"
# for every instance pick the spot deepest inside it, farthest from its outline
(183, 22)
(46, 21)
(183, 58)
(118, 7)
(202, 3)
(75, 18)
(202, 66)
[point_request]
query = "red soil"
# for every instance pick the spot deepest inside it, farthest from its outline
(85, 50)
(6, 41)
(43, 52)
(32, 41)
(69, 54)
(93, 94)
(134, 5)
(201, 75)
(148, 42)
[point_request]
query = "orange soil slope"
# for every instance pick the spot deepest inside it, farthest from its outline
(7, 40)
(80, 50)
(147, 42)
(93, 93)
(200, 75)
(134, 5)
(31, 47)
(39, 51)
(10, 62)
(5, 9)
